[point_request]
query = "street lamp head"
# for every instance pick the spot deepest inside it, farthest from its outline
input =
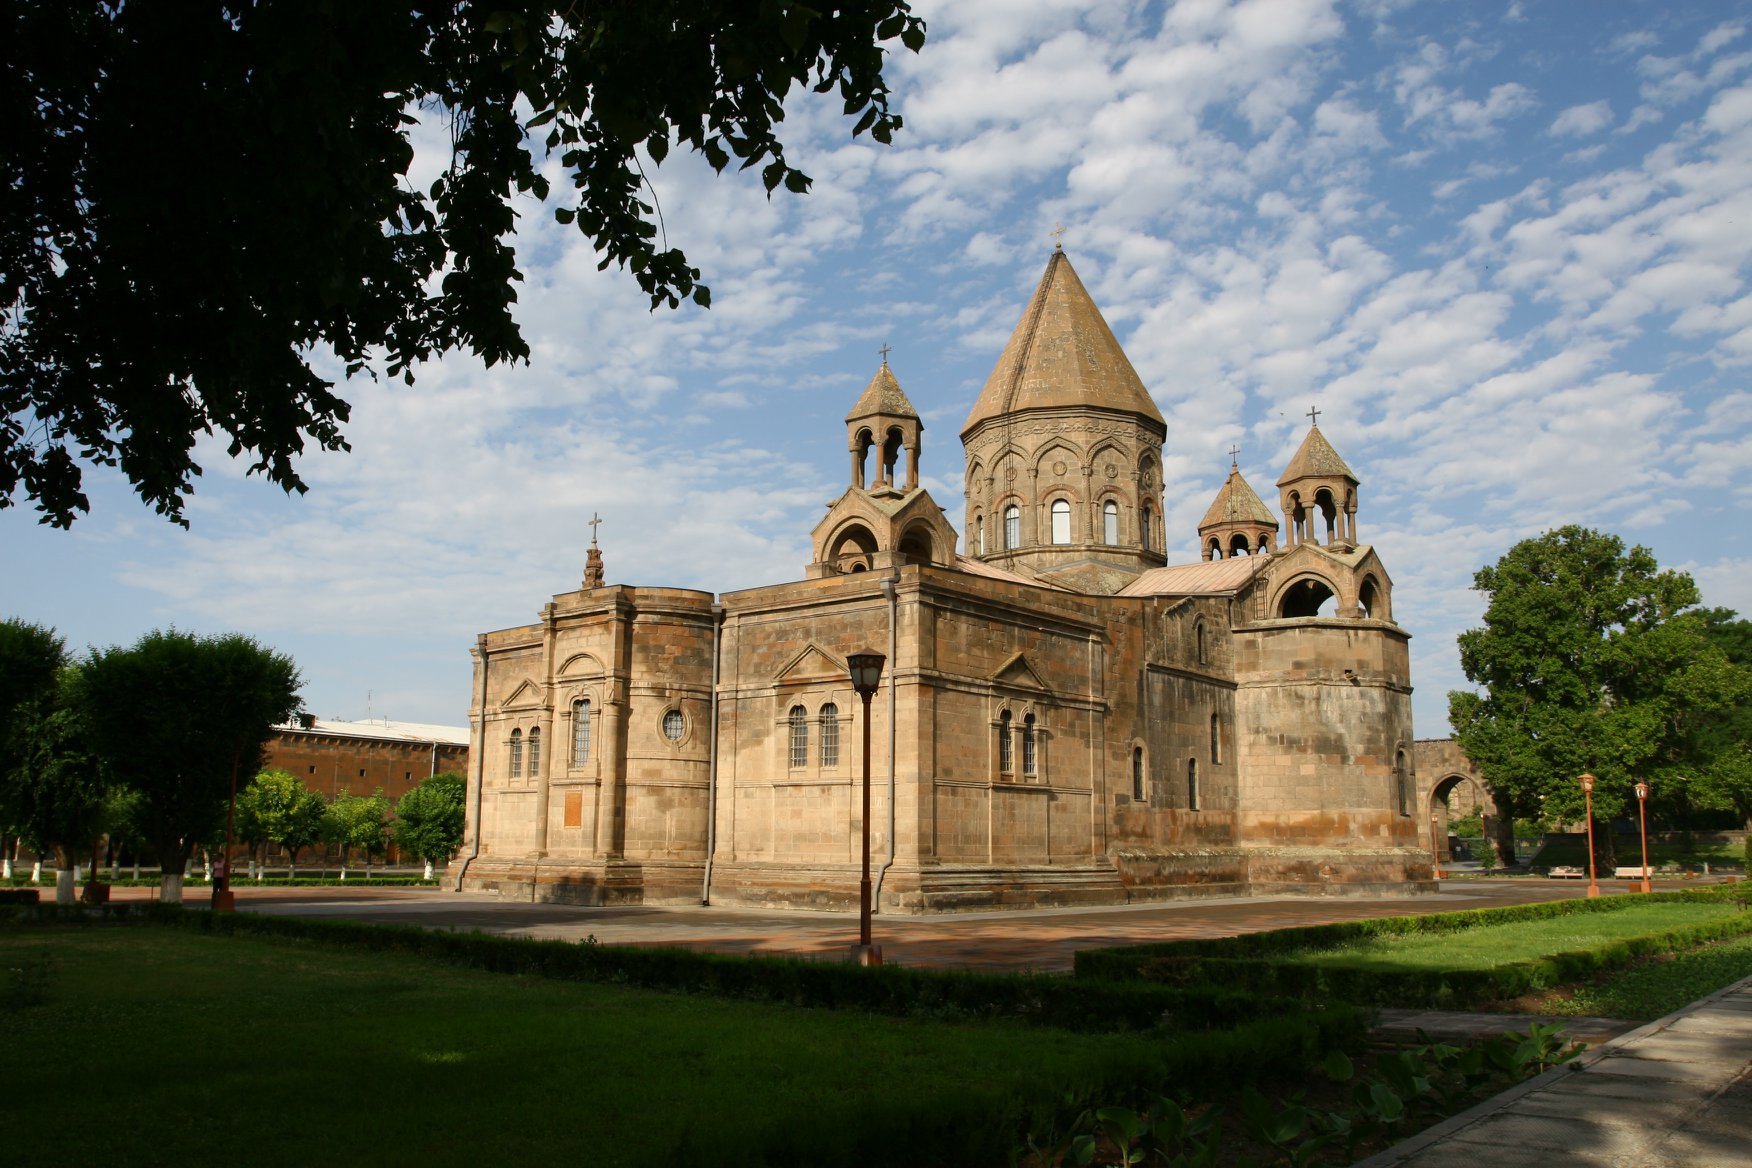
(1587, 784)
(866, 671)
(1642, 790)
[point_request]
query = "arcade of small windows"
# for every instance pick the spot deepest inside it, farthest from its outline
(1008, 733)
(828, 729)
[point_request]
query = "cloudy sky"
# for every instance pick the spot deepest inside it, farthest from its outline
(1502, 246)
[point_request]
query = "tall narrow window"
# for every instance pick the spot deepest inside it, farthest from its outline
(535, 752)
(1401, 784)
(979, 535)
(1012, 527)
(1145, 520)
(581, 732)
(1216, 740)
(1192, 784)
(1110, 522)
(830, 735)
(1061, 521)
(1029, 753)
(516, 754)
(1004, 751)
(799, 736)
(1198, 635)
(1138, 773)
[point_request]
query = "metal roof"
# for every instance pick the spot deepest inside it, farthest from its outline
(383, 728)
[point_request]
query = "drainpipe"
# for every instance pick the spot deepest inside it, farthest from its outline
(888, 583)
(480, 768)
(712, 756)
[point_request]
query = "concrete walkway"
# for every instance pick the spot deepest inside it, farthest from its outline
(1676, 1093)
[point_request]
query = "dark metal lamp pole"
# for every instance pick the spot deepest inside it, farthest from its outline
(866, 671)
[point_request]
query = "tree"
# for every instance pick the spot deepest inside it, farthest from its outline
(280, 809)
(177, 717)
(31, 657)
(1719, 745)
(429, 818)
(1591, 659)
(359, 821)
(56, 793)
(195, 197)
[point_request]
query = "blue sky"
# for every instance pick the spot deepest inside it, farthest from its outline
(1504, 247)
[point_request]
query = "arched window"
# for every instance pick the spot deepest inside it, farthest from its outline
(1061, 521)
(979, 535)
(1110, 522)
(581, 732)
(799, 736)
(1199, 637)
(1138, 773)
(829, 735)
(1012, 527)
(1144, 523)
(516, 754)
(1028, 751)
(1004, 752)
(674, 725)
(1192, 784)
(534, 751)
(1216, 741)
(1401, 784)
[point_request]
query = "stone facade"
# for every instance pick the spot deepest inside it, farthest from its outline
(331, 757)
(1063, 718)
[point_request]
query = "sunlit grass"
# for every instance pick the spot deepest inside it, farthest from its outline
(1488, 946)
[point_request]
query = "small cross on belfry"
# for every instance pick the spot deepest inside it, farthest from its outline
(595, 519)
(1234, 454)
(885, 350)
(1314, 416)
(1058, 229)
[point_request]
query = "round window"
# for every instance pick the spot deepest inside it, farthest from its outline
(673, 725)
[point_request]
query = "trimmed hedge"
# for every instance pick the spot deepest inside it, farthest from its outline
(1260, 962)
(19, 896)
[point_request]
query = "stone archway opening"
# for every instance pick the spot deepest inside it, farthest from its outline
(1308, 597)
(1453, 797)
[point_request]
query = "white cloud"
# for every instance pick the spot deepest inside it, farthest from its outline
(1580, 121)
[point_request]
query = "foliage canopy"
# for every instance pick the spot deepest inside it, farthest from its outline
(429, 818)
(197, 197)
(1591, 659)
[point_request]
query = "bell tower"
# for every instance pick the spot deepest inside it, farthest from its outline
(885, 518)
(1318, 492)
(1237, 524)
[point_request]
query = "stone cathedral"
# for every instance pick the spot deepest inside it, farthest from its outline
(1064, 718)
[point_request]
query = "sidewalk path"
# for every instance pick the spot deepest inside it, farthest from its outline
(1676, 1093)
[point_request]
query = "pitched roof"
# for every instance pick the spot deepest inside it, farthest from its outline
(883, 396)
(1236, 503)
(975, 567)
(1062, 354)
(1315, 458)
(1206, 576)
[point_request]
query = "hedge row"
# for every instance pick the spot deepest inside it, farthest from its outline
(1124, 962)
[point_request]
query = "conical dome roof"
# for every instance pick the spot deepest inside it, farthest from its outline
(1315, 458)
(1237, 503)
(883, 396)
(1062, 354)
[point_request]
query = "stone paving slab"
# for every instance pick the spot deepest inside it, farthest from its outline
(1672, 1094)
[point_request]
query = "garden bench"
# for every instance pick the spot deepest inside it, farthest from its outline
(1566, 872)
(1634, 872)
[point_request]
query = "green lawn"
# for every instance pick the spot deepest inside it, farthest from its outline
(1656, 987)
(239, 1050)
(1485, 947)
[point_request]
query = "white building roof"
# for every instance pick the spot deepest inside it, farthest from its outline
(383, 728)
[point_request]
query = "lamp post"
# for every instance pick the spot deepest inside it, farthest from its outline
(1435, 843)
(866, 671)
(1642, 815)
(1588, 796)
